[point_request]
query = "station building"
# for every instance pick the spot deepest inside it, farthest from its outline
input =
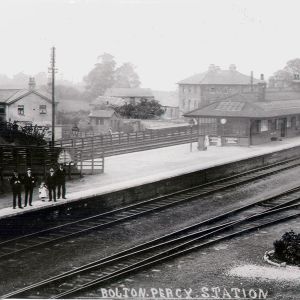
(251, 118)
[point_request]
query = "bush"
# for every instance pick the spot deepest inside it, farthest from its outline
(288, 248)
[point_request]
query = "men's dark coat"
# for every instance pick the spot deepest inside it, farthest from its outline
(51, 181)
(16, 184)
(29, 181)
(60, 176)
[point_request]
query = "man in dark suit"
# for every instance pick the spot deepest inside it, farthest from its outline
(16, 187)
(61, 181)
(29, 182)
(51, 184)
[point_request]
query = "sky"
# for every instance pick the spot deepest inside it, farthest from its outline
(167, 40)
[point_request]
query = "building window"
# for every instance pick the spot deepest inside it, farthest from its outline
(43, 109)
(21, 110)
(101, 121)
(264, 125)
(257, 126)
(298, 121)
(2, 109)
(293, 122)
(288, 123)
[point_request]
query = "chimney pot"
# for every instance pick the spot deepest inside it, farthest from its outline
(232, 67)
(31, 83)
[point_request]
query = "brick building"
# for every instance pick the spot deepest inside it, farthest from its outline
(251, 118)
(214, 84)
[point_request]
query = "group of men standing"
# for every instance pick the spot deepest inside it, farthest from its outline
(54, 180)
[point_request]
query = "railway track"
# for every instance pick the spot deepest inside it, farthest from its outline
(198, 236)
(62, 232)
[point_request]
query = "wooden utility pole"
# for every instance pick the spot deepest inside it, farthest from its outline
(52, 69)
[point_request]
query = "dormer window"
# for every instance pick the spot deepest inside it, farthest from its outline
(21, 110)
(43, 109)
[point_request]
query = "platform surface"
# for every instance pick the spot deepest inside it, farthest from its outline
(134, 169)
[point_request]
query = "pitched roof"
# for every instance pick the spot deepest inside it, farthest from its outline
(101, 113)
(219, 77)
(259, 109)
(12, 95)
(128, 92)
(270, 95)
(5, 94)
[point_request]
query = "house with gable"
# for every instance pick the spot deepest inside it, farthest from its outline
(130, 95)
(26, 106)
(201, 89)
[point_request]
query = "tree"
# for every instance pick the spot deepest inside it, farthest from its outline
(285, 77)
(101, 77)
(105, 75)
(144, 109)
(67, 92)
(126, 77)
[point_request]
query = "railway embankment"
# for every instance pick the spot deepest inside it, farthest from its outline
(41, 217)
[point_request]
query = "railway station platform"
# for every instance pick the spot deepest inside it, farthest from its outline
(141, 168)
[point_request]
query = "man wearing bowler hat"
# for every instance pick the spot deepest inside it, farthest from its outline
(29, 182)
(51, 184)
(61, 181)
(16, 186)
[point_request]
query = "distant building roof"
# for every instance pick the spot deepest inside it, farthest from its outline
(217, 76)
(7, 93)
(270, 95)
(128, 92)
(259, 109)
(11, 95)
(101, 113)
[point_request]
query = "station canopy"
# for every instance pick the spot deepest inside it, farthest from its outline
(241, 109)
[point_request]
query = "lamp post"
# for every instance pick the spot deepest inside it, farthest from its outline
(75, 130)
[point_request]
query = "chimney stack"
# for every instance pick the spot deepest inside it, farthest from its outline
(31, 84)
(262, 88)
(232, 67)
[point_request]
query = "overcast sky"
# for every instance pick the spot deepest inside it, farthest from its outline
(166, 40)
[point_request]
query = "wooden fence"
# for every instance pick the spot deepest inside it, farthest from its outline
(119, 143)
(40, 159)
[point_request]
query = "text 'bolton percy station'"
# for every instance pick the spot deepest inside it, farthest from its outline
(188, 293)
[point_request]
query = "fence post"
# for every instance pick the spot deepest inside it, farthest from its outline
(128, 136)
(102, 161)
(136, 138)
(81, 163)
(93, 156)
(119, 138)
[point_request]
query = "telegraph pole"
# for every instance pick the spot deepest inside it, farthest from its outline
(52, 70)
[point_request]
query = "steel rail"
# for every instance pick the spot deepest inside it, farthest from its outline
(47, 236)
(175, 238)
(160, 255)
